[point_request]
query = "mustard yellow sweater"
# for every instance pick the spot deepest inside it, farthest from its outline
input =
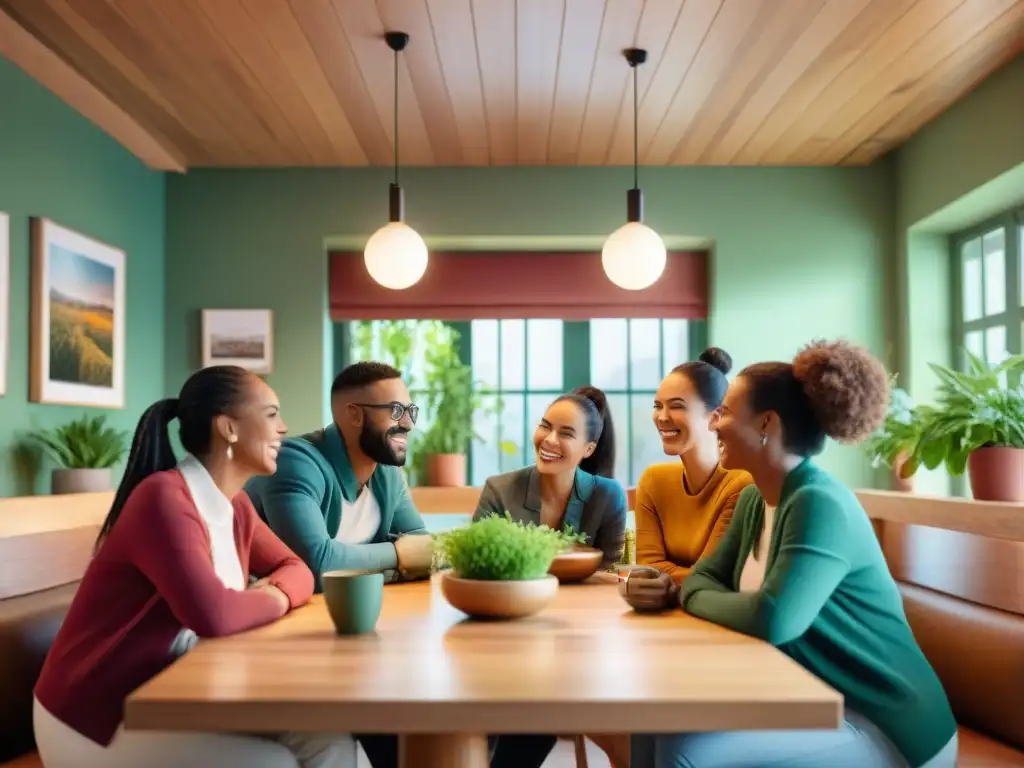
(675, 528)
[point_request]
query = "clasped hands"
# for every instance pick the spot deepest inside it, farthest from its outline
(648, 589)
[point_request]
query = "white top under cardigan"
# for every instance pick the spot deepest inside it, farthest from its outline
(217, 511)
(752, 576)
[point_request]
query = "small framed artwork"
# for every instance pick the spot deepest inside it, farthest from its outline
(79, 319)
(5, 298)
(243, 337)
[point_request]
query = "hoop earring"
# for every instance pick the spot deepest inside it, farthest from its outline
(764, 440)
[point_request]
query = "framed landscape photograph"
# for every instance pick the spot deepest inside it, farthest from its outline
(243, 337)
(5, 298)
(77, 349)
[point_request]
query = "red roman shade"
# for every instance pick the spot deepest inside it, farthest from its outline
(469, 285)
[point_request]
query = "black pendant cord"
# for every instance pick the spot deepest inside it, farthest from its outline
(396, 42)
(636, 132)
(396, 117)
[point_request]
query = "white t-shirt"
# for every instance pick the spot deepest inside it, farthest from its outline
(360, 520)
(752, 576)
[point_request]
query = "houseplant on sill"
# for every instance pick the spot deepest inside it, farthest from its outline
(977, 425)
(894, 440)
(85, 449)
(499, 567)
(450, 401)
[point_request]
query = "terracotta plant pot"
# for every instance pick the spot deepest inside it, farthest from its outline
(498, 599)
(446, 470)
(580, 564)
(80, 481)
(997, 473)
(904, 484)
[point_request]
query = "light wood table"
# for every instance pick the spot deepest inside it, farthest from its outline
(586, 664)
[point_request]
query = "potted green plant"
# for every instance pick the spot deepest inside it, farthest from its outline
(450, 400)
(977, 425)
(85, 450)
(498, 568)
(894, 440)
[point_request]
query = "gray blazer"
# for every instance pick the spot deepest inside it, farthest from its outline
(597, 506)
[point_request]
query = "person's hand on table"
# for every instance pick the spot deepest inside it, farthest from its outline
(283, 603)
(415, 553)
(648, 589)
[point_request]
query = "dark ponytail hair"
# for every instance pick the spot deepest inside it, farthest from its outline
(600, 429)
(707, 374)
(206, 394)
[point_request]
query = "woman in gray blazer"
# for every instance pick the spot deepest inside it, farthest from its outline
(571, 484)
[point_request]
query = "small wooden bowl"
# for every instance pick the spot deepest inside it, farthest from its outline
(580, 564)
(498, 599)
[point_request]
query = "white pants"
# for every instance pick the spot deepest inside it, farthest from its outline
(858, 743)
(61, 746)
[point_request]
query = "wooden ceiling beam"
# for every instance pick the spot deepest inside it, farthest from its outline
(53, 72)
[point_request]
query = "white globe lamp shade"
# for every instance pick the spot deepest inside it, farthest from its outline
(633, 256)
(396, 256)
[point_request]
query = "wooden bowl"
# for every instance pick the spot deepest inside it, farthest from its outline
(498, 599)
(580, 564)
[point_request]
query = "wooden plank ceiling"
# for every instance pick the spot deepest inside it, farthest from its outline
(520, 82)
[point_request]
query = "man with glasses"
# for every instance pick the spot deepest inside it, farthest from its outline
(339, 498)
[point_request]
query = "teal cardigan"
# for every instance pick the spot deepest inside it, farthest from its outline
(829, 602)
(301, 502)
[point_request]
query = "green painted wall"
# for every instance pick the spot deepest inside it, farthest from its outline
(54, 163)
(962, 168)
(798, 253)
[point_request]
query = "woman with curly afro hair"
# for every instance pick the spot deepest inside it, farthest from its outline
(801, 568)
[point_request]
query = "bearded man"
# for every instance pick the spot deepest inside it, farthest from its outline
(339, 499)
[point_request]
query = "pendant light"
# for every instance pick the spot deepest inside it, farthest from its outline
(634, 255)
(395, 255)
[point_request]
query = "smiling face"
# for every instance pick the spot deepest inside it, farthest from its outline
(560, 439)
(739, 429)
(382, 438)
(681, 417)
(255, 428)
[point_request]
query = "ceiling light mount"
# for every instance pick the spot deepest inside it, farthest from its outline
(635, 56)
(398, 40)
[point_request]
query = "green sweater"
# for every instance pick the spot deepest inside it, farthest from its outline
(301, 502)
(829, 602)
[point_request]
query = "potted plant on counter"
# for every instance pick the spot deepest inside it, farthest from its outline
(451, 400)
(499, 567)
(85, 450)
(977, 425)
(893, 442)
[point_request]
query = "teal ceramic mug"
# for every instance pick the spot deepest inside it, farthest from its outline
(353, 600)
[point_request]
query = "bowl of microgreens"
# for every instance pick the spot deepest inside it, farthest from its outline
(577, 561)
(498, 567)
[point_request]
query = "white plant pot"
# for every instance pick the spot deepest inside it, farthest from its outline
(80, 481)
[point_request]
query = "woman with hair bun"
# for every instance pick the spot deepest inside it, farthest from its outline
(683, 508)
(570, 484)
(173, 563)
(801, 568)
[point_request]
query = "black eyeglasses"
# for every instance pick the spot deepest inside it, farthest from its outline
(398, 410)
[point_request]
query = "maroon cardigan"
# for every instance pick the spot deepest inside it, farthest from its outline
(152, 577)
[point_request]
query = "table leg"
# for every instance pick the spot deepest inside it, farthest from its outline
(443, 750)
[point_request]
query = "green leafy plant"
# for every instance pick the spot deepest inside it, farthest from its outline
(450, 397)
(497, 548)
(898, 432)
(974, 409)
(86, 443)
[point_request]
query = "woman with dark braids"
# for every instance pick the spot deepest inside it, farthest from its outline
(801, 568)
(173, 562)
